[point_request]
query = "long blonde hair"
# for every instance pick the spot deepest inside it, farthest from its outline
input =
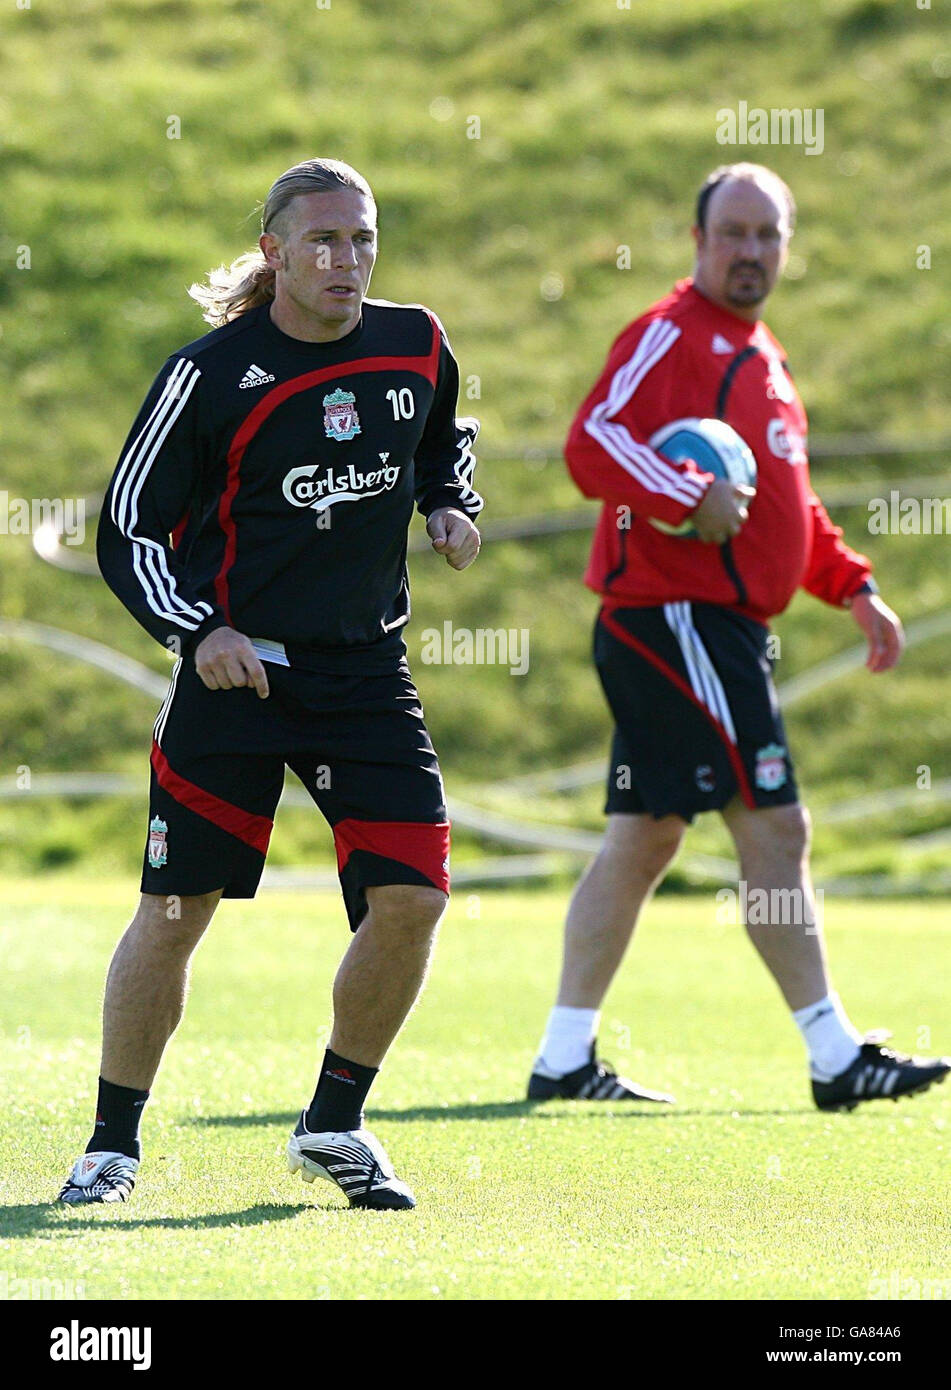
(231, 290)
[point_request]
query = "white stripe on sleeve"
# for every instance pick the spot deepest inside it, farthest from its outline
(645, 465)
(149, 560)
(464, 465)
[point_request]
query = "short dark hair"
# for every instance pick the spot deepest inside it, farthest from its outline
(749, 173)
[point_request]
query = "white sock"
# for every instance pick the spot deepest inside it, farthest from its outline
(832, 1041)
(566, 1045)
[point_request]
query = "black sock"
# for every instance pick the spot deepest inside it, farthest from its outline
(341, 1091)
(118, 1112)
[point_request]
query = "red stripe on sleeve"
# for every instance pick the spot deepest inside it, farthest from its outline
(179, 530)
(421, 845)
(433, 370)
(244, 825)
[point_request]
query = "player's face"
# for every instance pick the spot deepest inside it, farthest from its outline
(742, 250)
(323, 249)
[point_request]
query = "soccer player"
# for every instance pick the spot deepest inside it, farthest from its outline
(256, 525)
(682, 649)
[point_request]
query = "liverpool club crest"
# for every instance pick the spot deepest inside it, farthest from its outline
(341, 420)
(158, 843)
(771, 767)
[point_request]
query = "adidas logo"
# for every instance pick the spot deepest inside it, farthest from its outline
(254, 376)
(341, 1074)
(719, 345)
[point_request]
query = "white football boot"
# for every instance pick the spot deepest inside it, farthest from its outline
(355, 1160)
(100, 1177)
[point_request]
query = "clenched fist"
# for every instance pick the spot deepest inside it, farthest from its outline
(454, 535)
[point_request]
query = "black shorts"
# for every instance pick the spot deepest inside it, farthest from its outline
(357, 742)
(697, 720)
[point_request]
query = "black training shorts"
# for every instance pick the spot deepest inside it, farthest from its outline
(357, 742)
(697, 719)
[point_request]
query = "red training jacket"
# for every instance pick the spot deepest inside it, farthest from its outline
(688, 357)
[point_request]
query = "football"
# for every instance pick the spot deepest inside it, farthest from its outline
(714, 446)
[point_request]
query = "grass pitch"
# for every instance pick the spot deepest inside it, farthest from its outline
(742, 1191)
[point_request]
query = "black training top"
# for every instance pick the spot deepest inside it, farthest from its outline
(268, 484)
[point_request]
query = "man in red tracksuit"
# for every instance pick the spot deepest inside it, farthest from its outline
(683, 651)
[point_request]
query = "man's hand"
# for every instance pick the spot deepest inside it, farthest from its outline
(453, 535)
(225, 659)
(723, 511)
(882, 627)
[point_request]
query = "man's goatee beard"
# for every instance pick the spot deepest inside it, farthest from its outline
(745, 301)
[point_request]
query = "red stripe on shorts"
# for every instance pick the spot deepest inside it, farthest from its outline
(421, 845)
(622, 635)
(244, 825)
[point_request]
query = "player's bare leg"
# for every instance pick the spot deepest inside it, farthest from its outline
(773, 848)
(147, 983)
(773, 845)
(383, 971)
(377, 984)
(144, 1000)
(636, 853)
